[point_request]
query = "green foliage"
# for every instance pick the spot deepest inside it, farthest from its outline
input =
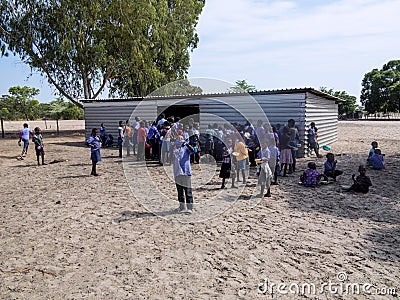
(381, 89)
(4, 113)
(241, 86)
(19, 103)
(179, 87)
(59, 109)
(83, 45)
(347, 107)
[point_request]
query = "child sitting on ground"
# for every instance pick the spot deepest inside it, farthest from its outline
(109, 141)
(311, 177)
(330, 167)
(374, 145)
(38, 140)
(375, 161)
(362, 182)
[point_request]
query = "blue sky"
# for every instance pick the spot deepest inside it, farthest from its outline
(278, 44)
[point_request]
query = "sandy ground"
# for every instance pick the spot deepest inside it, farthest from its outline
(13, 127)
(67, 235)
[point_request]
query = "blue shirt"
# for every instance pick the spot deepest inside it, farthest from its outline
(330, 166)
(376, 161)
(94, 142)
(274, 152)
(182, 162)
(102, 131)
(152, 132)
(264, 153)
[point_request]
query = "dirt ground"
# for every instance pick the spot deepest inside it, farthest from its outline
(67, 235)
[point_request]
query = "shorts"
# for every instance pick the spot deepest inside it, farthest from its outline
(241, 164)
(26, 143)
(95, 156)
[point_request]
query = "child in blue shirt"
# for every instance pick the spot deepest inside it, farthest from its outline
(375, 161)
(95, 144)
(374, 145)
(183, 174)
(330, 167)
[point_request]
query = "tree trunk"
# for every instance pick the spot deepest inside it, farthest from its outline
(58, 129)
(2, 128)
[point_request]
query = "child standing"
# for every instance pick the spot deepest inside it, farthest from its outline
(39, 146)
(94, 142)
(274, 161)
(183, 174)
(313, 139)
(226, 166)
(286, 150)
(141, 136)
(362, 183)
(120, 137)
(242, 158)
(311, 177)
(265, 173)
(330, 167)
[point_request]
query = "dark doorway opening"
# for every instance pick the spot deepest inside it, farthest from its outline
(181, 111)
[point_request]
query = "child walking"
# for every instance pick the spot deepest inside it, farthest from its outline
(94, 142)
(37, 139)
(24, 135)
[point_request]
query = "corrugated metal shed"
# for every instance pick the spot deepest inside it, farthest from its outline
(304, 105)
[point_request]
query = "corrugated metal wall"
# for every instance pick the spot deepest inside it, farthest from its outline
(324, 113)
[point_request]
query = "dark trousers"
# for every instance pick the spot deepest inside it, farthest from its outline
(184, 188)
(252, 156)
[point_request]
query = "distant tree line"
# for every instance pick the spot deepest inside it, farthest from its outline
(20, 104)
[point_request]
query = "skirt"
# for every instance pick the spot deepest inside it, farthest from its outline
(286, 156)
(95, 156)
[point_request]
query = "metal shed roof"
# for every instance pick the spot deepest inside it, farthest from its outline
(199, 96)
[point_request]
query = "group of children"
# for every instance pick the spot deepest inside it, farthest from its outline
(312, 177)
(24, 135)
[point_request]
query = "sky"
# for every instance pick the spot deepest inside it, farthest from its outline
(277, 44)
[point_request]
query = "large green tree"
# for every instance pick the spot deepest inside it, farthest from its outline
(381, 89)
(348, 106)
(20, 103)
(82, 46)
